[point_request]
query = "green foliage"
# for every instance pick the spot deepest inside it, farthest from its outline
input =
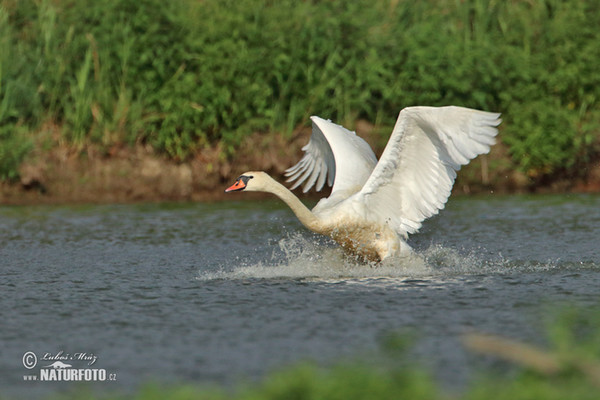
(183, 74)
(14, 97)
(344, 382)
(574, 334)
(14, 146)
(550, 90)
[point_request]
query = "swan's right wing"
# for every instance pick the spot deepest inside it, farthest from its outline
(335, 154)
(415, 174)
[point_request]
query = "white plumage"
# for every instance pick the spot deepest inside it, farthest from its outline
(373, 205)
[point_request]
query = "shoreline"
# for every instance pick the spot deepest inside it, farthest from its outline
(62, 175)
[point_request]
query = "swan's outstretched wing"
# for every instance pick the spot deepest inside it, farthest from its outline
(414, 177)
(335, 153)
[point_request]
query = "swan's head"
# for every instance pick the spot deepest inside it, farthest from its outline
(253, 181)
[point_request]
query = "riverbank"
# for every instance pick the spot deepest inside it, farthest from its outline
(133, 86)
(59, 173)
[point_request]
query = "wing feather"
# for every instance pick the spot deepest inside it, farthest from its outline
(414, 177)
(333, 155)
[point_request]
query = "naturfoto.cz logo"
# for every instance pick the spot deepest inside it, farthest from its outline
(60, 367)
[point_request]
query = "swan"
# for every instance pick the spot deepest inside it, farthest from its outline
(374, 205)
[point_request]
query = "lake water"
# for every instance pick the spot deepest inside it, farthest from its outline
(229, 291)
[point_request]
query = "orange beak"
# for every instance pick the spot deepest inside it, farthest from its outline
(238, 185)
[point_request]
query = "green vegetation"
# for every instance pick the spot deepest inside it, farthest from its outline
(571, 370)
(183, 74)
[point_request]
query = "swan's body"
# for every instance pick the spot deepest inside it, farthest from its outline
(373, 205)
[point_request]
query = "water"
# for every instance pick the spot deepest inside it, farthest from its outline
(222, 292)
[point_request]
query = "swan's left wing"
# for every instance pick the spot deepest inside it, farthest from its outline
(336, 154)
(415, 174)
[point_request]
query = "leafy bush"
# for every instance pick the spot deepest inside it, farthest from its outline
(13, 148)
(183, 74)
(17, 103)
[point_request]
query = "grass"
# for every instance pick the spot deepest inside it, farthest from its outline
(185, 74)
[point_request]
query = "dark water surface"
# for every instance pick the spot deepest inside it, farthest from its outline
(228, 291)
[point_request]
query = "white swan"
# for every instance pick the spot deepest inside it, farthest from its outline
(373, 205)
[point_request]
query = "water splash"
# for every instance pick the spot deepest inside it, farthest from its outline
(307, 258)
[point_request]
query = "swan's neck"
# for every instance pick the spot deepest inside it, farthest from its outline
(305, 216)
